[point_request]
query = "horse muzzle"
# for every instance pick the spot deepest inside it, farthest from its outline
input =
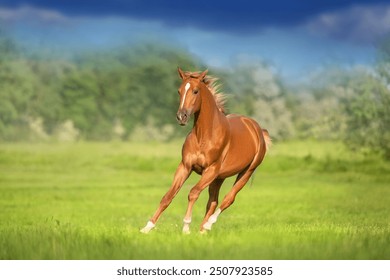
(182, 117)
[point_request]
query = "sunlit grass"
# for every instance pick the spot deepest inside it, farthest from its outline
(308, 200)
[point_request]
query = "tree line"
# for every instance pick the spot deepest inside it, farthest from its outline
(129, 93)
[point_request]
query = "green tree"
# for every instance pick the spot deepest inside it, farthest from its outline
(129, 87)
(368, 106)
(317, 105)
(368, 115)
(17, 87)
(258, 92)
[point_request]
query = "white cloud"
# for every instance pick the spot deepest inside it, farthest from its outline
(365, 24)
(31, 13)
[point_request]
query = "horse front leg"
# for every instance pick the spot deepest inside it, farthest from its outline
(208, 176)
(182, 173)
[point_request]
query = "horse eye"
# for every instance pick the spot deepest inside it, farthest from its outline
(196, 91)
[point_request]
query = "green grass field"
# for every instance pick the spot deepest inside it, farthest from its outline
(308, 200)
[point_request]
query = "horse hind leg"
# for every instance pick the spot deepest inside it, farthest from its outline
(243, 176)
(212, 203)
(229, 198)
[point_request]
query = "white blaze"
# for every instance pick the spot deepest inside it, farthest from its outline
(185, 94)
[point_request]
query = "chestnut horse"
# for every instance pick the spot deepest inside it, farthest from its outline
(218, 146)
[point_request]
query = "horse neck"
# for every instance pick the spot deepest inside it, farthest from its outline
(207, 117)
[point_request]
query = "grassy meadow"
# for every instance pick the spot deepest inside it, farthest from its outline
(308, 200)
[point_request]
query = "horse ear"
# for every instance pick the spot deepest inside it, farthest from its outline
(203, 75)
(181, 73)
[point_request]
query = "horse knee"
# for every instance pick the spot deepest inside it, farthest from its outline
(211, 205)
(165, 201)
(227, 201)
(214, 204)
(193, 195)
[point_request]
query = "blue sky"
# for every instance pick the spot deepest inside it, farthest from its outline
(295, 37)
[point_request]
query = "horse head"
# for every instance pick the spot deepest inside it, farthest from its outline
(190, 97)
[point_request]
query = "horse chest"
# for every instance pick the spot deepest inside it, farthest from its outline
(201, 154)
(200, 161)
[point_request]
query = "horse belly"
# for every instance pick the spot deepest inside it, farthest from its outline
(243, 147)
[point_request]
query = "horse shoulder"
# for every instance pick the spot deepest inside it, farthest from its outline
(189, 150)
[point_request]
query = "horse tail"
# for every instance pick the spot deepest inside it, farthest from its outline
(267, 139)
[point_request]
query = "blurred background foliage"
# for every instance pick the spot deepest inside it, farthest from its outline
(130, 93)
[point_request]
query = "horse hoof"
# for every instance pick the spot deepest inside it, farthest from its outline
(144, 231)
(207, 226)
(203, 231)
(186, 230)
(149, 226)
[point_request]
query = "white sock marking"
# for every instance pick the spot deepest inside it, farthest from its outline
(213, 218)
(185, 94)
(149, 226)
(186, 226)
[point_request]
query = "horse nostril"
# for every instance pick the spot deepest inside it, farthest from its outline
(182, 117)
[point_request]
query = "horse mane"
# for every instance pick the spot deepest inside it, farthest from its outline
(214, 87)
